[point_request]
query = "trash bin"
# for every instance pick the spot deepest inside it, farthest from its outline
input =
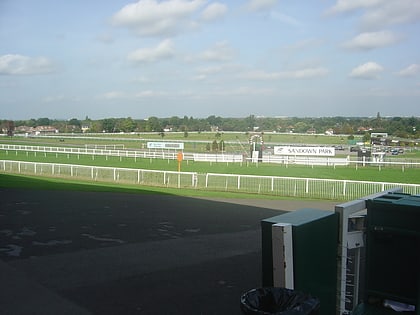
(278, 301)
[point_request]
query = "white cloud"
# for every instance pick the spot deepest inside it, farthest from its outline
(214, 11)
(261, 75)
(243, 91)
(221, 51)
(148, 93)
(309, 73)
(53, 98)
(24, 65)
(164, 50)
(261, 5)
(372, 40)
(377, 14)
(158, 18)
(112, 95)
(286, 19)
(411, 71)
(368, 71)
(305, 73)
(392, 12)
(343, 6)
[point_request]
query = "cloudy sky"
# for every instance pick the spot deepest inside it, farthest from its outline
(72, 59)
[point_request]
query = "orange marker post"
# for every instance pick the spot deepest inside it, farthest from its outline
(180, 156)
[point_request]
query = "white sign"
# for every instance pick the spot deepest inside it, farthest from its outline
(255, 155)
(165, 145)
(318, 151)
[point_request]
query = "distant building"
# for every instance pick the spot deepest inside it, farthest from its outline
(363, 129)
(85, 128)
(329, 132)
(43, 130)
(39, 130)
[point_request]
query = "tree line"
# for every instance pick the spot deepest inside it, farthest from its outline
(404, 127)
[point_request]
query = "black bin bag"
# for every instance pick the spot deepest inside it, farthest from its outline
(278, 301)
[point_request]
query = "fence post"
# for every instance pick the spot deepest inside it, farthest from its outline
(307, 186)
(194, 180)
(239, 182)
(344, 187)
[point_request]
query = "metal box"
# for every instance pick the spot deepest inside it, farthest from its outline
(314, 243)
(393, 249)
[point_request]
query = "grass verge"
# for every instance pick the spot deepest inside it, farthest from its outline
(42, 183)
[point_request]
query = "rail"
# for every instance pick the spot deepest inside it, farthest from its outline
(250, 184)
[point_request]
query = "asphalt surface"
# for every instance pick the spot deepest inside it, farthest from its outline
(66, 252)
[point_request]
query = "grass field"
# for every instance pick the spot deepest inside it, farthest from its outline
(194, 142)
(42, 183)
(368, 173)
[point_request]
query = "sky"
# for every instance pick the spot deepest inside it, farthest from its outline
(318, 58)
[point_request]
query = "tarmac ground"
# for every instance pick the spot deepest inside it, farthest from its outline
(67, 252)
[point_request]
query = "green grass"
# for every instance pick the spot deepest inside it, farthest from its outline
(8, 181)
(368, 173)
(195, 142)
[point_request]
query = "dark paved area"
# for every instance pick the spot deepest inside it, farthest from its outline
(107, 253)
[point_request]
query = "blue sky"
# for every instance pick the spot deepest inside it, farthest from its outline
(72, 59)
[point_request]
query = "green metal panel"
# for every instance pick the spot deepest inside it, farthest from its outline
(315, 240)
(393, 249)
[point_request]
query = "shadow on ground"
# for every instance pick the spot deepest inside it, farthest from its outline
(73, 252)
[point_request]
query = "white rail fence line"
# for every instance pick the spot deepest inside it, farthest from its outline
(212, 157)
(105, 174)
(165, 155)
(270, 185)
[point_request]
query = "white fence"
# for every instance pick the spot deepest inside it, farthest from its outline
(268, 185)
(146, 154)
(221, 157)
(306, 160)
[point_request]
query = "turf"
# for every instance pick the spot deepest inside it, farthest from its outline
(395, 174)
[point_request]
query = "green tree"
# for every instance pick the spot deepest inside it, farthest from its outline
(75, 122)
(109, 125)
(221, 146)
(43, 122)
(154, 124)
(127, 125)
(214, 146)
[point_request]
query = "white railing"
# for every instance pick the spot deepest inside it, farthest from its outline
(208, 157)
(268, 185)
(306, 160)
(145, 154)
(105, 174)
(220, 157)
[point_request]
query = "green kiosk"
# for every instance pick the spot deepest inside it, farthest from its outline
(310, 237)
(392, 276)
